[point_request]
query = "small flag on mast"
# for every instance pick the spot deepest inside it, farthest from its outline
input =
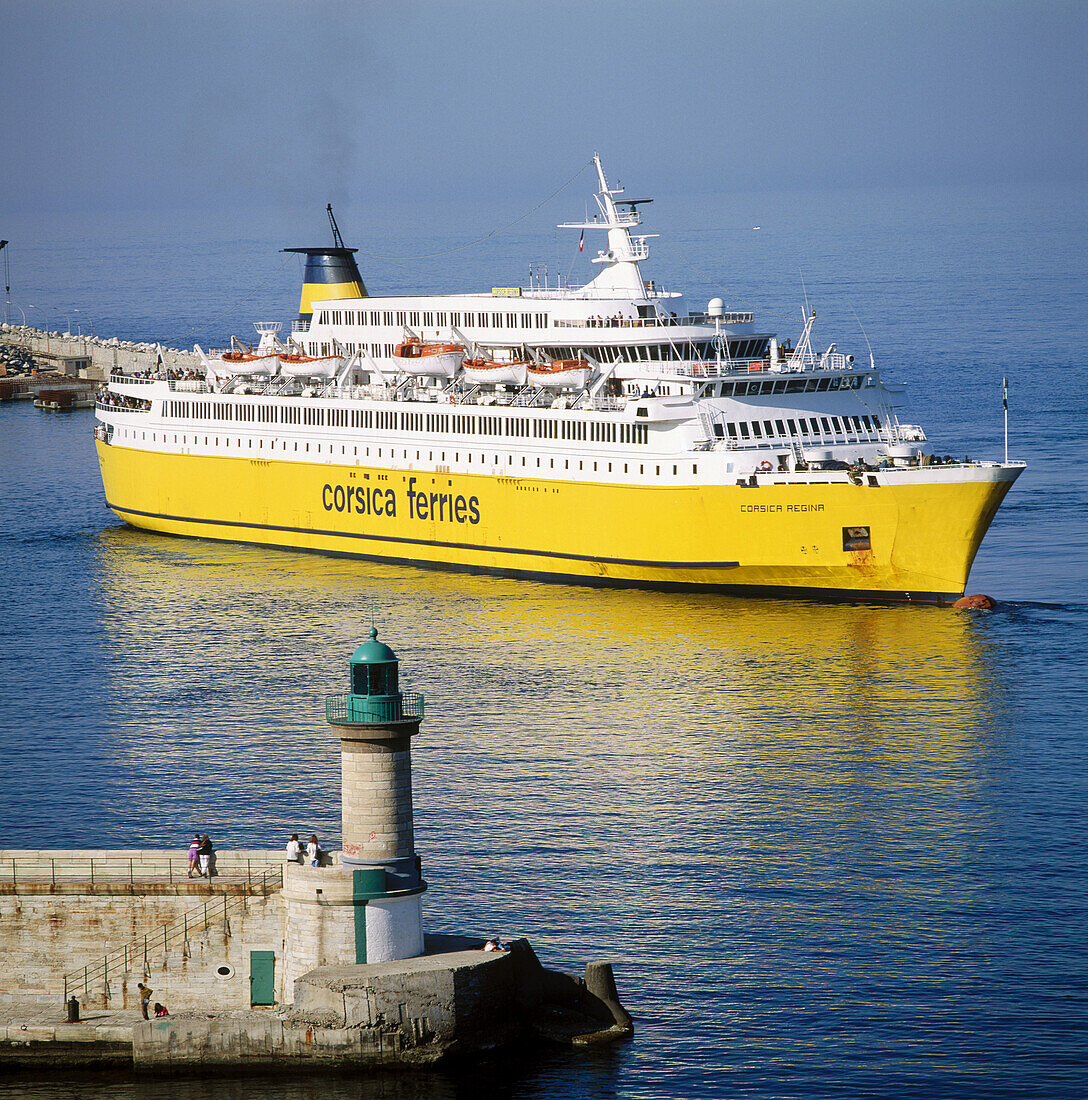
(581, 240)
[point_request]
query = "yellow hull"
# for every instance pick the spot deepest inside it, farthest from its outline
(785, 539)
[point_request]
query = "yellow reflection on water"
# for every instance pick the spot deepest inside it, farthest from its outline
(664, 671)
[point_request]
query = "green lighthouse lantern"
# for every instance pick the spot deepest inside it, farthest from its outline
(375, 694)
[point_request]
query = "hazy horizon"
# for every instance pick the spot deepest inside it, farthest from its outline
(125, 106)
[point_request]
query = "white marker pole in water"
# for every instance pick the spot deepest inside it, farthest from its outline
(1005, 405)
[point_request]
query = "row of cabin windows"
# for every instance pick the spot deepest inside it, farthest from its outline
(294, 447)
(687, 351)
(352, 348)
(645, 353)
(856, 428)
(393, 420)
(782, 385)
(430, 318)
(683, 351)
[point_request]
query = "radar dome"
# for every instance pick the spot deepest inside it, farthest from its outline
(715, 307)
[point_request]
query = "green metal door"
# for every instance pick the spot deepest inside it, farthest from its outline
(367, 883)
(262, 977)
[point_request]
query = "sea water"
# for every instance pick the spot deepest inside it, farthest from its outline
(829, 849)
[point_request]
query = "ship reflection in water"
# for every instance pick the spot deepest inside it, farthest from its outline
(693, 702)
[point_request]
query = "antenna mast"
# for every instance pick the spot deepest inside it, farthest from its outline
(336, 238)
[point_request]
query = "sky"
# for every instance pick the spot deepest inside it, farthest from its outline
(243, 105)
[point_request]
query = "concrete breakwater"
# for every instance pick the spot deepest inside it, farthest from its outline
(90, 926)
(448, 1003)
(91, 357)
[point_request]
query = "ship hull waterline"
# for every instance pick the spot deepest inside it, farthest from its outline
(782, 539)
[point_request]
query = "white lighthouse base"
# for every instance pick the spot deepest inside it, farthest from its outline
(327, 924)
(394, 928)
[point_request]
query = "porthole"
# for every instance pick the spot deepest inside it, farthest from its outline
(224, 972)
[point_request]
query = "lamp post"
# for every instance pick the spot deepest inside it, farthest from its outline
(7, 282)
(22, 311)
(45, 322)
(80, 323)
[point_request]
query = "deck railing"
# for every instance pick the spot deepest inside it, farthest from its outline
(180, 385)
(105, 869)
(362, 709)
(132, 379)
(735, 318)
(112, 406)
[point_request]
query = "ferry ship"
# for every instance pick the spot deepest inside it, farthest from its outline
(602, 434)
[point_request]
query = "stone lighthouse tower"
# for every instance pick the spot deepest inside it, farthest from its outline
(365, 907)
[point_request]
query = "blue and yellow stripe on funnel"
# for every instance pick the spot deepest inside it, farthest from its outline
(330, 273)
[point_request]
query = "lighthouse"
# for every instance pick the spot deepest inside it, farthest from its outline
(366, 906)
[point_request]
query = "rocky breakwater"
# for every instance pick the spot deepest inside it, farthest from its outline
(89, 357)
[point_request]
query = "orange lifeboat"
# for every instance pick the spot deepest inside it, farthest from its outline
(296, 365)
(246, 362)
(496, 372)
(566, 373)
(428, 360)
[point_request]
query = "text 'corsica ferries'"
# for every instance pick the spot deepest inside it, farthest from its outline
(599, 434)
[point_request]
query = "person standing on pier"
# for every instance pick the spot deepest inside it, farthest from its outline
(205, 853)
(145, 997)
(194, 848)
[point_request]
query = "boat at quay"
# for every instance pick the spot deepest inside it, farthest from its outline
(600, 434)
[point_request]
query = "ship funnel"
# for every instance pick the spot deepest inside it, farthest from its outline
(330, 273)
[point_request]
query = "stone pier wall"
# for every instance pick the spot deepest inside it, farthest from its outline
(190, 940)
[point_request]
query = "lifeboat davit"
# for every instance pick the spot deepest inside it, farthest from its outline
(428, 360)
(565, 373)
(493, 372)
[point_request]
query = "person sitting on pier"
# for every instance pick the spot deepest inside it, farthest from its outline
(160, 1010)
